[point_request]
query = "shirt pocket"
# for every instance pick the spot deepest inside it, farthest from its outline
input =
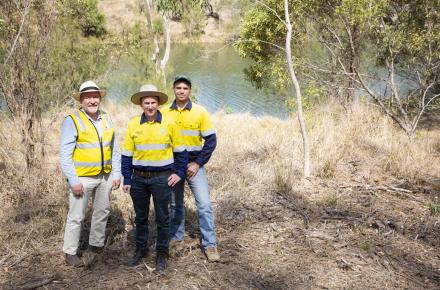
(191, 126)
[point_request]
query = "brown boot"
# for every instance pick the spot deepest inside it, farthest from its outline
(212, 254)
(74, 260)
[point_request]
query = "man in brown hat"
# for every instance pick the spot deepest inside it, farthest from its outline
(90, 160)
(153, 161)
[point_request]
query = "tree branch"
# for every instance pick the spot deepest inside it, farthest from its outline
(271, 10)
(11, 51)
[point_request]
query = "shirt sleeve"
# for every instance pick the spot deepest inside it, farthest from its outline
(179, 152)
(208, 134)
(68, 138)
(206, 127)
(116, 159)
(127, 157)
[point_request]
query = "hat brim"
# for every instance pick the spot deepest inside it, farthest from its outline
(136, 98)
(77, 95)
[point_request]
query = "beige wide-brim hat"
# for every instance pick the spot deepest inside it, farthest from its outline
(88, 86)
(149, 91)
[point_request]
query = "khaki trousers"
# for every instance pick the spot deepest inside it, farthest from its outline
(98, 188)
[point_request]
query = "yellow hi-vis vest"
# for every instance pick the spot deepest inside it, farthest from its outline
(91, 155)
(151, 143)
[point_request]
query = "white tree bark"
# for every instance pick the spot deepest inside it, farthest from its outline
(166, 55)
(153, 37)
(295, 82)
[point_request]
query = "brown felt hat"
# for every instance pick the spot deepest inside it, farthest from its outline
(149, 91)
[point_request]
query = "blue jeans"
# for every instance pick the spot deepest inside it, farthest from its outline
(142, 189)
(200, 191)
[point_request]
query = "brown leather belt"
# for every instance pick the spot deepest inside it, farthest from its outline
(152, 173)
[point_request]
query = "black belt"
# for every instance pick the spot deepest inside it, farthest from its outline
(152, 173)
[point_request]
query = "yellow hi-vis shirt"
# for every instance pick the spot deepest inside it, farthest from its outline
(151, 144)
(92, 155)
(194, 123)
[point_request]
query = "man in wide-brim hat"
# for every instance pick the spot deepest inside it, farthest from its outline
(90, 160)
(153, 161)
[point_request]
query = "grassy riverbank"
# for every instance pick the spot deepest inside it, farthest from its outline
(368, 218)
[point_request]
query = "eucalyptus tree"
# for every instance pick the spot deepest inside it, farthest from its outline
(350, 41)
(175, 10)
(273, 36)
(404, 38)
(44, 54)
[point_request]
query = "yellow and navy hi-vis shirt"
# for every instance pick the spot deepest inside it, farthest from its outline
(152, 146)
(92, 154)
(196, 128)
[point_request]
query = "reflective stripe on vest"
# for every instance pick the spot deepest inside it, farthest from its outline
(92, 155)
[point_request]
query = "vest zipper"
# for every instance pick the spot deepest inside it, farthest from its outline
(100, 144)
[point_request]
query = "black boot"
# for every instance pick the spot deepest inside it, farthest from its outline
(161, 262)
(137, 258)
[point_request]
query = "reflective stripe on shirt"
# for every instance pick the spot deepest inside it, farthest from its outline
(153, 162)
(190, 132)
(194, 148)
(151, 146)
(208, 132)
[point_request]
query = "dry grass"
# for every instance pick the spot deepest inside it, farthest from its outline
(253, 153)
(255, 159)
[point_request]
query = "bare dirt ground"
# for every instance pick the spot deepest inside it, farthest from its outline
(353, 237)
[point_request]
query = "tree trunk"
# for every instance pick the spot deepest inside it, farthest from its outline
(354, 65)
(297, 92)
(153, 37)
(166, 55)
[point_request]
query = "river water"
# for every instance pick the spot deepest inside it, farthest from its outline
(219, 83)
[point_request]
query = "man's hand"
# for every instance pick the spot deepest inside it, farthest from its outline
(77, 189)
(192, 169)
(173, 179)
(126, 188)
(116, 183)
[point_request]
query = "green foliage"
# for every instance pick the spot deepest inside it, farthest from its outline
(135, 67)
(229, 110)
(194, 21)
(262, 38)
(158, 28)
(367, 246)
(340, 37)
(70, 58)
(177, 9)
(136, 36)
(434, 207)
(86, 15)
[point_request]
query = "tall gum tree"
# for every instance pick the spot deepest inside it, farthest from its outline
(269, 36)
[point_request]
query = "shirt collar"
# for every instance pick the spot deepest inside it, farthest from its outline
(188, 105)
(90, 118)
(157, 120)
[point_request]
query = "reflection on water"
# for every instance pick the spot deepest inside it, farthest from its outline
(218, 80)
